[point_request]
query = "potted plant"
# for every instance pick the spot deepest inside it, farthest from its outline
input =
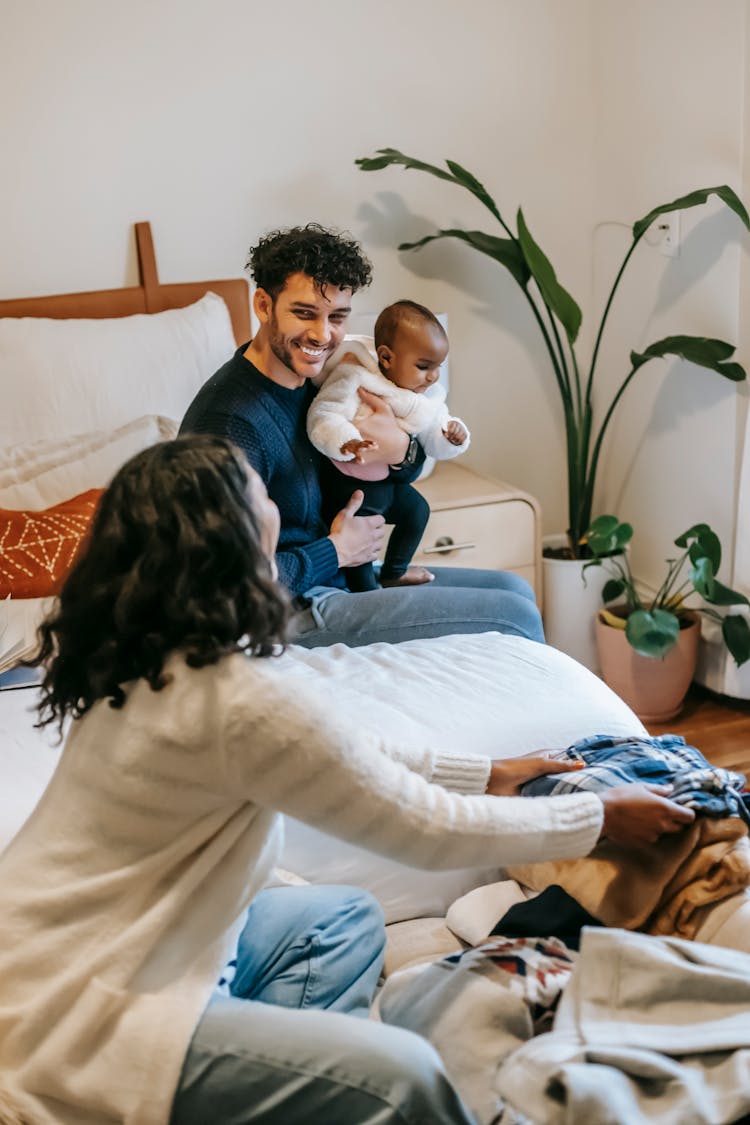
(648, 645)
(559, 319)
(569, 603)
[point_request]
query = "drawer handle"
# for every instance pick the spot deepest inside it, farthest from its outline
(444, 545)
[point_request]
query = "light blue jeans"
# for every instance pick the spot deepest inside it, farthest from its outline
(458, 601)
(270, 1054)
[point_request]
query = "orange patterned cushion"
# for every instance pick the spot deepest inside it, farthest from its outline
(37, 549)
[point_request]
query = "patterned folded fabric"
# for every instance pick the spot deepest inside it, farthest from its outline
(665, 888)
(665, 759)
(478, 1007)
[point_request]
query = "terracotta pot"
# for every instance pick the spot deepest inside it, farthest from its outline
(655, 689)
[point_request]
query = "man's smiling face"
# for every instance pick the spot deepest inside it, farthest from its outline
(305, 325)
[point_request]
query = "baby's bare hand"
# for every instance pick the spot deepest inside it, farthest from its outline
(455, 432)
(357, 448)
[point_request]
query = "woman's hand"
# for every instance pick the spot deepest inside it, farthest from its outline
(639, 814)
(507, 775)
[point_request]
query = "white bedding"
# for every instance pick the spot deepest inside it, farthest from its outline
(489, 694)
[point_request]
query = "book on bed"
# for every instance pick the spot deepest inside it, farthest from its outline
(17, 642)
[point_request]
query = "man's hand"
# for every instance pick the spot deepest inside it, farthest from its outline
(455, 432)
(507, 775)
(381, 427)
(357, 448)
(357, 539)
(638, 814)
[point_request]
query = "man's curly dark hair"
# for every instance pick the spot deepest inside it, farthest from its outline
(329, 257)
(174, 562)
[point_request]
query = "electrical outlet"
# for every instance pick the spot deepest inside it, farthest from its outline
(668, 227)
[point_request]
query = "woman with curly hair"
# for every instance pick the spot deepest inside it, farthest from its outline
(144, 868)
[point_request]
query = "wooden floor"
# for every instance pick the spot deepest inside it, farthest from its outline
(717, 725)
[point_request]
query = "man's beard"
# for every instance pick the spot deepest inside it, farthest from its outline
(278, 345)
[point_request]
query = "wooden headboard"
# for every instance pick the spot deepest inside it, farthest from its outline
(148, 297)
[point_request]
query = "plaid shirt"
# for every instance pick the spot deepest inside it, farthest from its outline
(661, 760)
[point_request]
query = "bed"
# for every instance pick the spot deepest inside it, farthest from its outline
(90, 378)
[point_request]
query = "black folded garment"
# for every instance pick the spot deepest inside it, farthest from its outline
(553, 913)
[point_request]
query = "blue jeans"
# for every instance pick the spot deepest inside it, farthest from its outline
(269, 1054)
(311, 947)
(458, 601)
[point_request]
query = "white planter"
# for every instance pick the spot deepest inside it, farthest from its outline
(570, 606)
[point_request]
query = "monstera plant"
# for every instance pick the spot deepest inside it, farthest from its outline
(652, 622)
(559, 319)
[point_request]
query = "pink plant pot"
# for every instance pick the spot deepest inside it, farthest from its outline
(655, 689)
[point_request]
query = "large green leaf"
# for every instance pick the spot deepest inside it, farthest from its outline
(503, 250)
(696, 349)
(387, 156)
(555, 297)
(652, 633)
(472, 184)
(607, 536)
(613, 587)
(722, 595)
(706, 547)
(695, 198)
(736, 635)
(702, 577)
(701, 542)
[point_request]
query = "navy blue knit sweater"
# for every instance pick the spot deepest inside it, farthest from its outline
(268, 423)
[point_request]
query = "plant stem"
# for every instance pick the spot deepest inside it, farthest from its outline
(605, 314)
(560, 350)
(666, 592)
(605, 423)
(574, 482)
(563, 388)
(577, 376)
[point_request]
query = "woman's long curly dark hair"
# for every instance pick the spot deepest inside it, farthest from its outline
(174, 561)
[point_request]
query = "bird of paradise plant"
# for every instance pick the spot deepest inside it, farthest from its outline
(559, 319)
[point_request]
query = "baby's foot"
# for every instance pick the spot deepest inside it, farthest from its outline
(413, 576)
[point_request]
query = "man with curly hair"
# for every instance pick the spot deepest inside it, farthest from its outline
(305, 279)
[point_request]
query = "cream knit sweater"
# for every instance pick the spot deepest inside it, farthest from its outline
(121, 897)
(337, 410)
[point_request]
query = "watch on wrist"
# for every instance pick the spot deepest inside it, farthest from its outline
(411, 452)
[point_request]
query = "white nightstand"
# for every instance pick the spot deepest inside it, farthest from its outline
(479, 522)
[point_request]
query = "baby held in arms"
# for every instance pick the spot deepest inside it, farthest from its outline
(410, 346)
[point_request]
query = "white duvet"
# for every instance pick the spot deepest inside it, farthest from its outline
(485, 693)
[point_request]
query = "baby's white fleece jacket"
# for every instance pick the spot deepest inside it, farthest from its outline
(336, 409)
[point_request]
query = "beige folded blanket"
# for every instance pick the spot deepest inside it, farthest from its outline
(665, 888)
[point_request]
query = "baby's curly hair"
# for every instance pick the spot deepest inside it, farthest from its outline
(329, 257)
(403, 312)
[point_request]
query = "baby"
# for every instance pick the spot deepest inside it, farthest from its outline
(410, 345)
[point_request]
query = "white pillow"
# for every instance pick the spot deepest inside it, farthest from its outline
(62, 377)
(36, 476)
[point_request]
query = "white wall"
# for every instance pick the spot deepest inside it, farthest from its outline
(219, 122)
(670, 99)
